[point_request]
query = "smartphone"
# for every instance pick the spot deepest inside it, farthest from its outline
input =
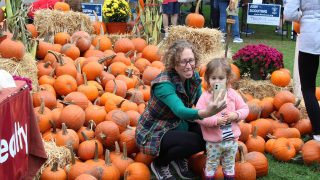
(217, 87)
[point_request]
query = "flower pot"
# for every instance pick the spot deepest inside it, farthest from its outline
(117, 27)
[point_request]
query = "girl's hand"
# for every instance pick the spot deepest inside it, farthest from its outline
(222, 121)
(232, 116)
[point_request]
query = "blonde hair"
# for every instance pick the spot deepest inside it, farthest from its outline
(173, 54)
(219, 64)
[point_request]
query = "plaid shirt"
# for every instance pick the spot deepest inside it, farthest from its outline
(158, 118)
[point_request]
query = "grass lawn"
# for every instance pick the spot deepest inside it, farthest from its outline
(266, 35)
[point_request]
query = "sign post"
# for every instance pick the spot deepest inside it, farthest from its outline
(264, 14)
(88, 8)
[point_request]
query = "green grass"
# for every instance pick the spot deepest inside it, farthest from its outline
(265, 34)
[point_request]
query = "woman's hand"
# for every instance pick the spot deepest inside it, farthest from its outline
(214, 106)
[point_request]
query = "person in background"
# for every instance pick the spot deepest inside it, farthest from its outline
(40, 4)
(166, 129)
(307, 13)
(214, 13)
(223, 4)
(170, 8)
(75, 5)
(221, 131)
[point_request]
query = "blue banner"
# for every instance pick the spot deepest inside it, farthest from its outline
(88, 8)
(265, 14)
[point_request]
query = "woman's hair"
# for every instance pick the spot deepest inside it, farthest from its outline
(219, 64)
(173, 54)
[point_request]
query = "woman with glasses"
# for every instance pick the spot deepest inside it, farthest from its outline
(166, 129)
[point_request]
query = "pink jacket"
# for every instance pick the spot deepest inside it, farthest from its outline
(210, 130)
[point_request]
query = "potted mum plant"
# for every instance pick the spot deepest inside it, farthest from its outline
(257, 61)
(116, 14)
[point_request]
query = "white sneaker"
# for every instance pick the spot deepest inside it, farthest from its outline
(238, 40)
(316, 137)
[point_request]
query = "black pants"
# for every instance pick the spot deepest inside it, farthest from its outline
(180, 144)
(308, 67)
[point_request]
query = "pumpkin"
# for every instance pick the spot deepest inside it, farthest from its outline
(90, 91)
(121, 57)
(65, 84)
(107, 132)
(71, 51)
(95, 162)
(195, 19)
(130, 80)
(48, 98)
(149, 74)
(145, 89)
(117, 68)
(158, 64)
(139, 44)
(77, 98)
(151, 53)
(12, 49)
(318, 93)
(296, 27)
(304, 126)
(286, 132)
(244, 148)
(266, 105)
(128, 105)
(143, 158)
(46, 79)
(264, 127)
(87, 148)
(105, 77)
(137, 170)
(33, 30)
(95, 113)
(254, 111)
(128, 136)
(53, 172)
(86, 177)
(61, 38)
(44, 68)
(123, 45)
(269, 145)
(67, 137)
(243, 169)
(245, 129)
(259, 161)
(88, 131)
(82, 40)
(62, 6)
(235, 71)
(133, 117)
(43, 116)
(102, 43)
(120, 118)
(311, 152)
(92, 70)
(109, 170)
(197, 162)
(50, 135)
(283, 97)
(43, 48)
(99, 27)
(283, 150)
(289, 113)
(73, 116)
(122, 162)
(117, 87)
(297, 143)
(255, 142)
(280, 78)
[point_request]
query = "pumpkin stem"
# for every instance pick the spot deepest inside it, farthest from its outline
(91, 124)
(96, 16)
(197, 7)
(85, 137)
(64, 129)
(281, 117)
(128, 53)
(66, 102)
(115, 86)
(54, 127)
(124, 151)
(103, 59)
(78, 67)
(41, 109)
(107, 158)
(297, 103)
(85, 79)
(119, 105)
(96, 101)
(98, 80)
(255, 130)
(117, 147)
(55, 55)
(96, 153)
(274, 117)
(54, 167)
(126, 174)
(242, 160)
(98, 44)
(52, 72)
(270, 136)
(47, 64)
(73, 159)
(130, 72)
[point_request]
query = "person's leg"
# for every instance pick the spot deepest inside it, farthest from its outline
(235, 27)
(228, 158)
(214, 13)
(223, 16)
(213, 159)
(308, 66)
(165, 21)
(175, 13)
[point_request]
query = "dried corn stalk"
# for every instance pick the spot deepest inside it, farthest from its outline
(151, 20)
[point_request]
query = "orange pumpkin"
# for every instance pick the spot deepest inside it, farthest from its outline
(296, 27)
(137, 170)
(123, 45)
(62, 6)
(61, 38)
(12, 49)
(53, 172)
(195, 19)
(283, 150)
(280, 78)
(33, 30)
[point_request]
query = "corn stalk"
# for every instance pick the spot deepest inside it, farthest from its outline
(151, 20)
(16, 22)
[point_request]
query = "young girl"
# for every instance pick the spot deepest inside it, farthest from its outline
(221, 131)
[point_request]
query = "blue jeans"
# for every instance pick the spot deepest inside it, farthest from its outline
(223, 20)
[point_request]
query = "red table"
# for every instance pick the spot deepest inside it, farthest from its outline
(21, 148)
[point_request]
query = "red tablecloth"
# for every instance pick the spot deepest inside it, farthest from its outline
(21, 148)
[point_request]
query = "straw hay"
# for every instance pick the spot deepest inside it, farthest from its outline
(55, 154)
(206, 40)
(27, 67)
(260, 88)
(115, 37)
(49, 22)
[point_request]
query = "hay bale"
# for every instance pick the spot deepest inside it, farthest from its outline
(261, 88)
(206, 40)
(27, 67)
(115, 37)
(49, 22)
(55, 154)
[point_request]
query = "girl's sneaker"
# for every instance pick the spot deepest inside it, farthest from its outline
(237, 40)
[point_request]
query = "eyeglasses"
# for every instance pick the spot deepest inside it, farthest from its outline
(184, 62)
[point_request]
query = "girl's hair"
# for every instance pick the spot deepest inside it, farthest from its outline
(219, 64)
(173, 54)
